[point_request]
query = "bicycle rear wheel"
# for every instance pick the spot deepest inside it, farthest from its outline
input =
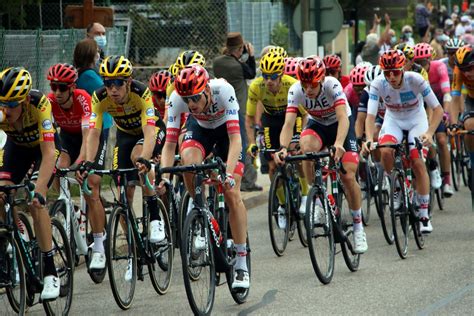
(279, 222)
(401, 216)
(15, 275)
(64, 263)
(320, 235)
(28, 239)
(197, 253)
(121, 257)
(161, 271)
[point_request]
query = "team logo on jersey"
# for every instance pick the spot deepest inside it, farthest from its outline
(407, 96)
(150, 112)
(47, 124)
(231, 99)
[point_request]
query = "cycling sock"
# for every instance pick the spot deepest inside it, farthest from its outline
(281, 195)
(152, 204)
(241, 262)
(98, 242)
(48, 259)
(357, 220)
(304, 186)
(424, 200)
(446, 177)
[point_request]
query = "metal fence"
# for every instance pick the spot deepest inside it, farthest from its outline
(38, 50)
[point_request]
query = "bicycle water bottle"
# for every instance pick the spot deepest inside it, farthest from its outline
(217, 230)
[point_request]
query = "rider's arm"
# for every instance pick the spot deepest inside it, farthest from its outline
(233, 128)
(95, 126)
(174, 110)
(342, 125)
(86, 114)
(361, 114)
(432, 102)
(372, 108)
(456, 102)
(148, 119)
(287, 131)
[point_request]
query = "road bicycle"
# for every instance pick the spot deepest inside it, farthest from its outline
(207, 247)
(128, 248)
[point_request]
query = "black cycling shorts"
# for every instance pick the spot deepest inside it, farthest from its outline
(272, 127)
(71, 144)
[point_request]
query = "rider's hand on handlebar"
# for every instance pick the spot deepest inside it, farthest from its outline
(229, 182)
(143, 165)
(161, 187)
(279, 156)
(252, 150)
(337, 152)
(366, 148)
(426, 139)
(83, 170)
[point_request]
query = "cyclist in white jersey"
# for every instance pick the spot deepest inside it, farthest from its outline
(330, 124)
(213, 124)
(401, 92)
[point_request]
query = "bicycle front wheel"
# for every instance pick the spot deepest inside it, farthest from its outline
(161, 270)
(279, 213)
(15, 270)
(400, 216)
(64, 264)
(121, 258)
(197, 254)
(345, 222)
(320, 236)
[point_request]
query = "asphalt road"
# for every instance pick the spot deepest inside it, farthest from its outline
(438, 280)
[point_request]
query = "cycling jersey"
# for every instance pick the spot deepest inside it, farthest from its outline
(223, 109)
(364, 100)
(130, 117)
(403, 103)
(36, 119)
(352, 97)
(75, 118)
(323, 108)
(439, 79)
(273, 104)
(457, 84)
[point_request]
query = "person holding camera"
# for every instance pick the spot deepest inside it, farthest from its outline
(236, 65)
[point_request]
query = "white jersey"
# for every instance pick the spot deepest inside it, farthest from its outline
(402, 103)
(224, 109)
(323, 108)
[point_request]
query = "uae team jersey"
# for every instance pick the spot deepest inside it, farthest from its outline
(322, 109)
(223, 109)
(36, 122)
(74, 119)
(402, 103)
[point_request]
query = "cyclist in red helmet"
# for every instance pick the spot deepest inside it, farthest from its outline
(212, 126)
(158, 84)
(333, 68)
(354, 89)
(330, 123)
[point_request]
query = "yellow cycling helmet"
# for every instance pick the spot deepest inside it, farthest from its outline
(116, 66)
(15, 84)
(407, 49)
(272, 63)
(280, 50)
(174, 69)
(190, 57)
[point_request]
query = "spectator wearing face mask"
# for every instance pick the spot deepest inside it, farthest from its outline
(96, 31)
(407, 35)
(438, 42)
(449, 27)
(461, 27)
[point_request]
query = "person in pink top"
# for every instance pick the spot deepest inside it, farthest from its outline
(439, 82)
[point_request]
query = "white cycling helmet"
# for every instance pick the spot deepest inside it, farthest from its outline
(371, 74)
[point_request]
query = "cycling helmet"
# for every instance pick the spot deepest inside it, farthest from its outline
(291, 63)
(272, 63)
(190, 57)
(116, 66)
(191, 80)
(279, 50)
(357, 75)
(454, 43)
(332, 61)
(15, 84)
(65, 73)
(311, 70)
(371, 73)
(423, 50)
(173, 69)
(159, 81)
(464, 57)
(407, 49)
(392, 59)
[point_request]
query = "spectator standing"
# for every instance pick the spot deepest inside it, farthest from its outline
(461, 27)
(422, 18)
(407, 35)
(374, 43)
(236, 72)
(96, 31)
(438, 42)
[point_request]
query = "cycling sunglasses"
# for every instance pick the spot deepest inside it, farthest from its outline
(273, 76)
(114, 82)
(159, 94)
(11, 104)
(395, 72)
(195, 98)
(62, 87)
(310, 84)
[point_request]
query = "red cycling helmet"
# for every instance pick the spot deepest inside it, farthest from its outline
(311, 70)
(191, 80)
(392, 59)
(159, 81)
(332, 61)
(423, 50)
(357, 75)
(291, 63)
(65, 73)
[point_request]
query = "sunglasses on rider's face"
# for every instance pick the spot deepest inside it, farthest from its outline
(11, 104)
(395, 72)
(159, 94)
(62, 87)
(114, 82)
(273, 76)
(195, 98)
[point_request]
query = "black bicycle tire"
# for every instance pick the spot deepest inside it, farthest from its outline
(19, 306)
(272, 210)
(352, 260)
(401, 213)
(454, 168)
(368, 195)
